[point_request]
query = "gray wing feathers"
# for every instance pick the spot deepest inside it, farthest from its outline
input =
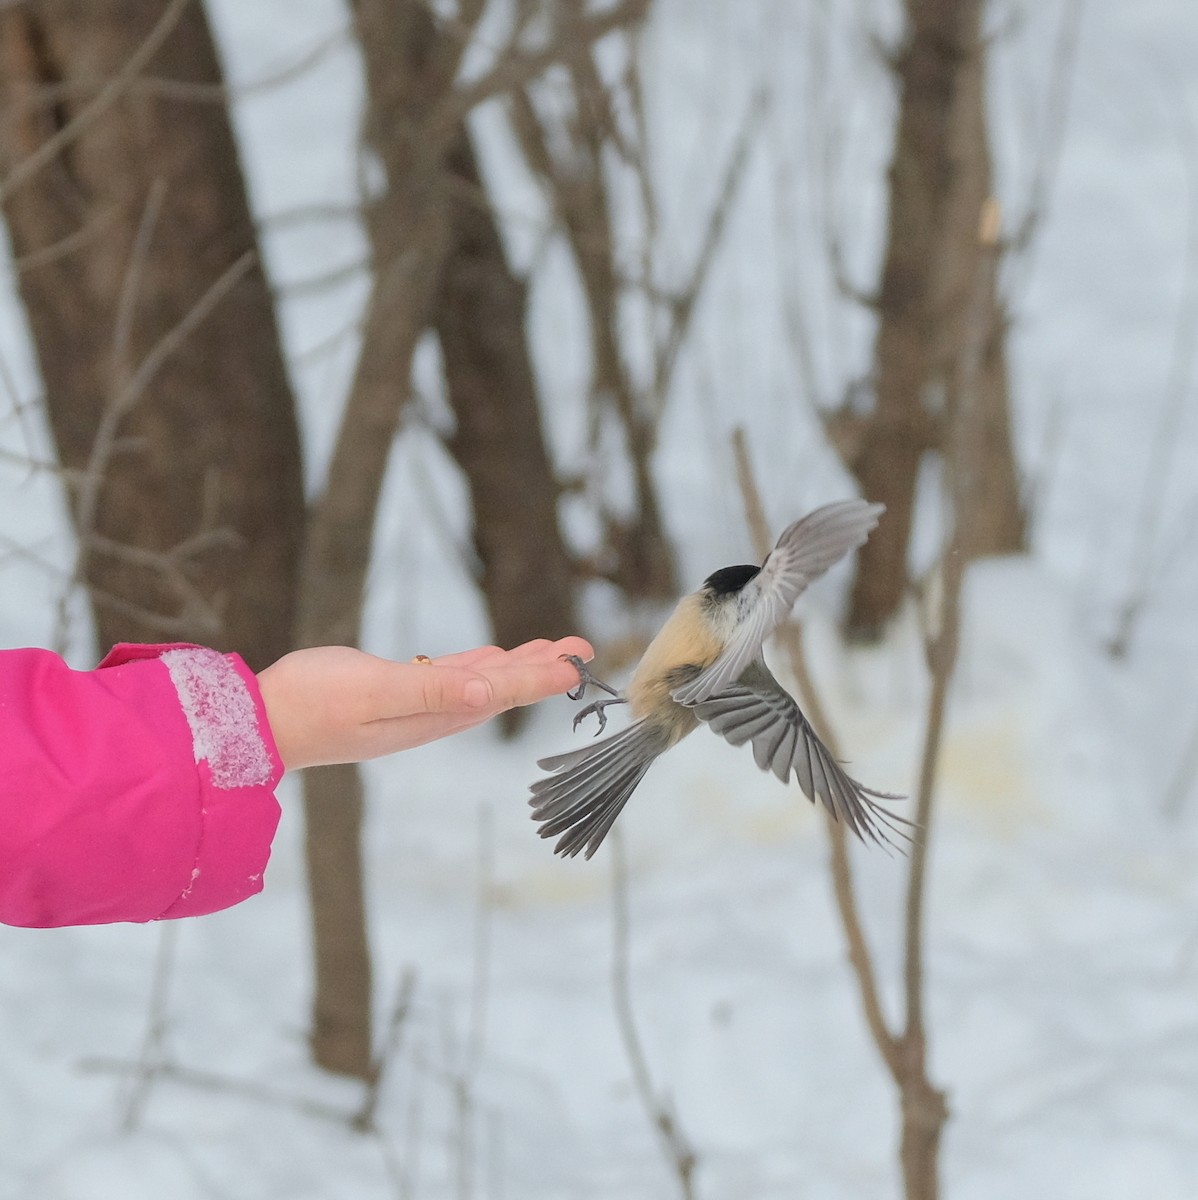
(784, 742)
(806, 549)
(590, 787)
(809, 546)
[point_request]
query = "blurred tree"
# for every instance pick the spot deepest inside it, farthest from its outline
(152, 321)
(406, 221)
(166, 387)
(438, 264)
(479, 314)
(940, 179)
(570, 144)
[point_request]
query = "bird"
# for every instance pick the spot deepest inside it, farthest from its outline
(706, 666)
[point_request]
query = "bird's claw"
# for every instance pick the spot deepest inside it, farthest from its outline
(585, 678)
(596, 707)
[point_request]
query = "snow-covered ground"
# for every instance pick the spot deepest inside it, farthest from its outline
(1062, 947)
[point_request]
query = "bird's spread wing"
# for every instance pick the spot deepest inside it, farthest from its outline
(784, 742)
(589, 787)
(804, 552)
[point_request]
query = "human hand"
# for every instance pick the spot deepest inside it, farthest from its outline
(334, 704)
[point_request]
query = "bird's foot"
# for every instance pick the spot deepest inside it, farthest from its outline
(597, 707)
(584, 678)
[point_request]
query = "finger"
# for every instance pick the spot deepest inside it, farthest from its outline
(402, 689)
(543, 650)
(517, 684)
(469, 658)
(537, 650)
(508, 683)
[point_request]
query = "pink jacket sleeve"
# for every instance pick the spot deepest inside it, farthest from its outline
(140, 790)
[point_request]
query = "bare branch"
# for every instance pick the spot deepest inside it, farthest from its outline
(476, 1034)
(130, 292)
(1162, 452)
(326, 281)
(95, 228)
(1182, 783)
(106, 443)
(131, 391)
(683, 307)
(388, 1051)
(112, 91)
(677, 1149)
(1056, 122)
(186, 90)
(519, 68)
(840, 863)
(246, 1089)
(40, 466)
(152, 1056)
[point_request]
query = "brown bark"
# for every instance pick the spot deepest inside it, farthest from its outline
(479, 318)
(924, 1111)
(567, 154)
(413, 122)
(153, 324)
(966, 290)
(408, 234)
(340, 1037)
(336, 559)
(923, 1107)
(940, 178)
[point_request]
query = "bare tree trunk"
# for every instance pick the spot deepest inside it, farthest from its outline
(479, 318)
(153, 324)
(939, 175)
(337, 556)
(967, 290)
(414, 119)
(340, 1037)
(407, 76)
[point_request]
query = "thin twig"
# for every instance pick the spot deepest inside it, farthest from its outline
(1056, 122)
(1162, 452)
(187, 90)
(1182, 782)
(684, 305)
(519, 68)
(130, 293)
(674, 1142)
(40, 466)
(87, 495)
(126, 399)
(388, 1051)
(476, 1034)
(128, 389)
(152, 1057)
(93, 229)
(246, 1089)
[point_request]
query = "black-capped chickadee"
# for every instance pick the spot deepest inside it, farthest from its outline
(705, 664)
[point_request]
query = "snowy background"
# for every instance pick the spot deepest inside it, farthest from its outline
(1062, 941)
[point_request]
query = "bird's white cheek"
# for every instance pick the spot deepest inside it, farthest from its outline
(725, 618)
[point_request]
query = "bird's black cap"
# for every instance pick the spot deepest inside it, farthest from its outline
(728, 580)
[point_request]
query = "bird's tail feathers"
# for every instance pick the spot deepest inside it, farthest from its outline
(590, 786)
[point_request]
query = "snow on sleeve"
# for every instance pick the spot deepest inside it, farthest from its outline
(221, 714)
